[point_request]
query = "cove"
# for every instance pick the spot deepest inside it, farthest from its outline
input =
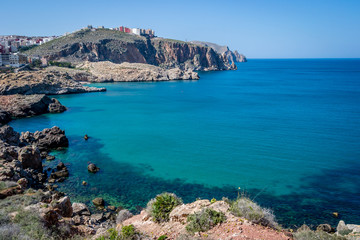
(285, 131)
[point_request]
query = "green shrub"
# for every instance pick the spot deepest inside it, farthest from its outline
(316, 235)
(129, 232)
(204, 220)
(244, 207)
(161, 206)
(213, 200)
(31, 225)
(163, 237)
(61, 64)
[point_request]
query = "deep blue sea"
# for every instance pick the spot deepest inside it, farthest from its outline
(287, 132)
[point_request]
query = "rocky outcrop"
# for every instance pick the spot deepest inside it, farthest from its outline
(49, 138)
(41, 82)
(134, 72)
(232, 56)
(118, 47)
(20, 154)
(19, 106)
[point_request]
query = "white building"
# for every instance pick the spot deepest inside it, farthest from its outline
(14, 60)
(135, 31)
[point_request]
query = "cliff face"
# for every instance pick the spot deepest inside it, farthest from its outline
(232, 56)
(118, 47)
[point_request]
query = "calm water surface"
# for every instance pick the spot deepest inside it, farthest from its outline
(285, 131)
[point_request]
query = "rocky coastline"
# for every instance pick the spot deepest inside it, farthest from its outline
(23, 177)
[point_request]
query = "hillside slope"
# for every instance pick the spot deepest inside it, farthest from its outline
(118, 47)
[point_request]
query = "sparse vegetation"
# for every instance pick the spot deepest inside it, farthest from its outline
(7, 184)
(127, 233)
(61, 64)
(204, 220)
(25, 48)
(244, 207)
(316, 235)
(161, 206)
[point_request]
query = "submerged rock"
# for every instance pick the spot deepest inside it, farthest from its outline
(98, 202)
(93, 168)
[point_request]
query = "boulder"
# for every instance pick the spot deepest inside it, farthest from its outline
(61, 166)
(56, 107)
(98, 202)
(29, 156)
(60, 174)
(80, 209)
(49, 138)
(92, 168)
(51, 217)
(22, 182)
(63, 206)
(123, 215)
(325, 228)
(9, 136)
(342, 228)
(50, 158)
(5, 117)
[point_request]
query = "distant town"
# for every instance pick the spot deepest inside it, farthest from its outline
(11, 47)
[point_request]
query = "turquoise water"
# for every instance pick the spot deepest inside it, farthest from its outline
(285, 131)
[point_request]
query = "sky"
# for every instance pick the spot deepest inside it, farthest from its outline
(256, 28)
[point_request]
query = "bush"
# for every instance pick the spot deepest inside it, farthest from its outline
(7, 184)
(204, 220)
(127, 233)
(244, 207)
(162, 237)
(161, 206)
(61, 64)
(316, 235)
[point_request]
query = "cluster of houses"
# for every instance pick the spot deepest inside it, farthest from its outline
(136, 31)
(10, 45)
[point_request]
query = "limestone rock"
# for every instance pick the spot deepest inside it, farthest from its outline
(19, 106)
(49, 138)
(29, 156)
(41, 82)
(80, 209)
(181, 212)
(123, 215)
(135, 72)
(63, 206)
(325, 228)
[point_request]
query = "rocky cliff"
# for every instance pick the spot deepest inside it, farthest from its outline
(232, 56)
(118, 47)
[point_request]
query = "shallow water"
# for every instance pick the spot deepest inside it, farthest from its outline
(285, 131)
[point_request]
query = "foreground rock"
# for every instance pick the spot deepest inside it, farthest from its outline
(41, 82)
(20, 154)
(49, 138)
(19, 106)
(134, 72)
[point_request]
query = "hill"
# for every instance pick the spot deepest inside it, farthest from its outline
(118, 47)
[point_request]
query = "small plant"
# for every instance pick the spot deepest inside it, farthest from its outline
(161, 206)
(204, 220)
(213, 200)
(163, 237)
(128, 232)
(244, 207)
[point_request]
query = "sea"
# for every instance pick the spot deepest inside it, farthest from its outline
(283, 132)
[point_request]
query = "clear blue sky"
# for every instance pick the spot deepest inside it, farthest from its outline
(257, 28)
